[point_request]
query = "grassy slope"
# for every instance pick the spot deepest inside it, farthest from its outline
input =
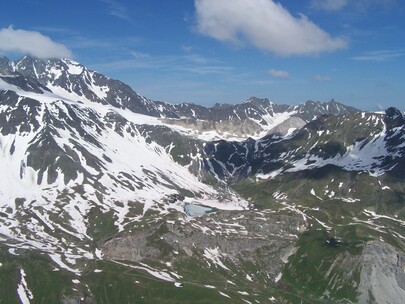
(114, 284)
(320, 272)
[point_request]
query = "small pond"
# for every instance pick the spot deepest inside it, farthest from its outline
(197, 210)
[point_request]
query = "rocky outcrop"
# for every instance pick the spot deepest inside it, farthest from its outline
(382, 278)
(393, 118)
(262, 238)
(225, 128)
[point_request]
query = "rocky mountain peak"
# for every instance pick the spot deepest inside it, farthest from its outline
(255, 101)
(26, 60)
(5, 66)
(393, 118)
(4, 61)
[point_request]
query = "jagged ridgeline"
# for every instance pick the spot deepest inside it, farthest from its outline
(109, 197)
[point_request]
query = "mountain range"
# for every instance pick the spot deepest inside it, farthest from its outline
(107, 196)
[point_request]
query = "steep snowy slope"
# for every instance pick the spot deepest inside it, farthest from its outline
(63, 161)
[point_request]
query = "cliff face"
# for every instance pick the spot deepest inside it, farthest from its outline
(382, 278)
(224, 239)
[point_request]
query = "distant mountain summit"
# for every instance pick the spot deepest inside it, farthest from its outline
(69, 78)
(394, 118)
(72, 80)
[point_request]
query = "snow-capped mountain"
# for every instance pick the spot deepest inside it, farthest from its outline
(366, 142)
(65, 161)
(67, 78)
(101, 186)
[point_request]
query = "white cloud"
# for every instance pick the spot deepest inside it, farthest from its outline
(140, 55)
(364, 5)
(117, 9)
(194, 64)
(279, 74)
(322, 78)
(358, 5)
(16, 41)
(379, 56)
(329, 5)
(265, 24)
(187, 48)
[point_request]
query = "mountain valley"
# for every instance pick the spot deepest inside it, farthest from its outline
(107, 196)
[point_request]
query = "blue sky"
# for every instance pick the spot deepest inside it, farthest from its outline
(208, 51)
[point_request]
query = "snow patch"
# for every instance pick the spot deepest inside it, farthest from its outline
(314, 194)
(224, 294)
(12, 251)
(75, 69)
(214, 255)
(270, 175)
(23, 291)
(350, 200)
(243, 293)
(323, 224)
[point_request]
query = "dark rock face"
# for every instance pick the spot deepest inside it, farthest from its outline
(25, 84)
(394, 118)
(20, 115)
(395, 124)
(310, 110)
(325, 140)
(5, 66)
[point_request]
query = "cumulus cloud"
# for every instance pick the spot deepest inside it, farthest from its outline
(265, 24)
(278, 73)
(329, 5)
(322, 78)
(16, 41)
